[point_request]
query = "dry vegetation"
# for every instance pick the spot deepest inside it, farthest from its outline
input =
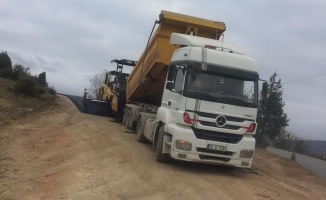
(14, 106)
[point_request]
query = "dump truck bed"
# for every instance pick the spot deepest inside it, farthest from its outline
(146, 81)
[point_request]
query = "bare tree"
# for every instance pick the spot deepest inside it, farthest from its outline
(96, 81)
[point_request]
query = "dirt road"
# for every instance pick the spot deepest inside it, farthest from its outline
(61, 153)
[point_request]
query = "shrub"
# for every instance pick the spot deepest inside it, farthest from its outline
(52, 91)
(18, 71)
(6, 73)
(26, 85)
(39, 90)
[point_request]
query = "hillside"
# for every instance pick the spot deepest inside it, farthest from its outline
(14, 106)
(316, 146)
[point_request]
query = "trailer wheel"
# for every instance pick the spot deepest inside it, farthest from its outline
(140, 130)
(131, 125)
(160, 156)
(124, 119)
(127, 118)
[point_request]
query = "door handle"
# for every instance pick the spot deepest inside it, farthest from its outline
(169, 103)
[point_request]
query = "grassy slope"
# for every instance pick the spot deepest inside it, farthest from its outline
(13, 107)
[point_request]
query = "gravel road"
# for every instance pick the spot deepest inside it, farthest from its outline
(61, 153)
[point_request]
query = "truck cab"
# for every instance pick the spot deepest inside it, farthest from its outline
(211, 98)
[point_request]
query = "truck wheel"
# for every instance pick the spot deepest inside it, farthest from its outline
(131, 125)
(140, 130)
(124, 118)
(128, 118)
(119, 117)
(160, 156)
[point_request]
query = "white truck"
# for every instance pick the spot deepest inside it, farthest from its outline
(192, 96)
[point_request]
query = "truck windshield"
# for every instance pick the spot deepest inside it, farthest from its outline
(221, 88)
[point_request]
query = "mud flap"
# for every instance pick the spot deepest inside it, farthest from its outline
(167, 143)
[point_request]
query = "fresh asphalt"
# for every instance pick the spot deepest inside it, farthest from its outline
(78, 101)
(317, 166)
(99, 108)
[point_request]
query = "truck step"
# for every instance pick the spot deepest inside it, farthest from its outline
(168, 143)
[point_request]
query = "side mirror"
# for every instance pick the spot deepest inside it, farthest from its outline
(171, 73)
(169, 85)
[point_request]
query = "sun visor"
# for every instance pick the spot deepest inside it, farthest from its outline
(189, 40)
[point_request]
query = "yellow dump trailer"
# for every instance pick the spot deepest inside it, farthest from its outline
(146, 81)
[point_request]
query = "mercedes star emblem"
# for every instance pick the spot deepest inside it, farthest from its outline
(220, 121)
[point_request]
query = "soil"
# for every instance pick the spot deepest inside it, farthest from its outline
(61, 153)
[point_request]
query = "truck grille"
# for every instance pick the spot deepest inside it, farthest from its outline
(213, 124)
(228, 118)
(217, 136)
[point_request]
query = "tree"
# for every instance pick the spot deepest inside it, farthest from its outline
(96, 81)
(5, 61)
(19, 71)
(5, 65)
(271, 117)
(41, 79)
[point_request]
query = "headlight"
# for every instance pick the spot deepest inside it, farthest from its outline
(183, 145)
(246, 153)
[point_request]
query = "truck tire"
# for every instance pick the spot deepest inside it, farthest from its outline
(127, 118)
(140, 130)
(124, 117)
(131, 125)
(119, 117)
(160, 156)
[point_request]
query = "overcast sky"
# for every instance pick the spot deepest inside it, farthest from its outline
(74, 39)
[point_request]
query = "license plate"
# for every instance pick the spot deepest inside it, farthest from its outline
(217, 147)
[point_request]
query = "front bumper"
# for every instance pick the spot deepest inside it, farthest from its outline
(200, 153)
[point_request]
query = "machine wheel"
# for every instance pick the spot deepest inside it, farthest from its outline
(140, 130)
(160, 156)
(119, 117)
(85, 108)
